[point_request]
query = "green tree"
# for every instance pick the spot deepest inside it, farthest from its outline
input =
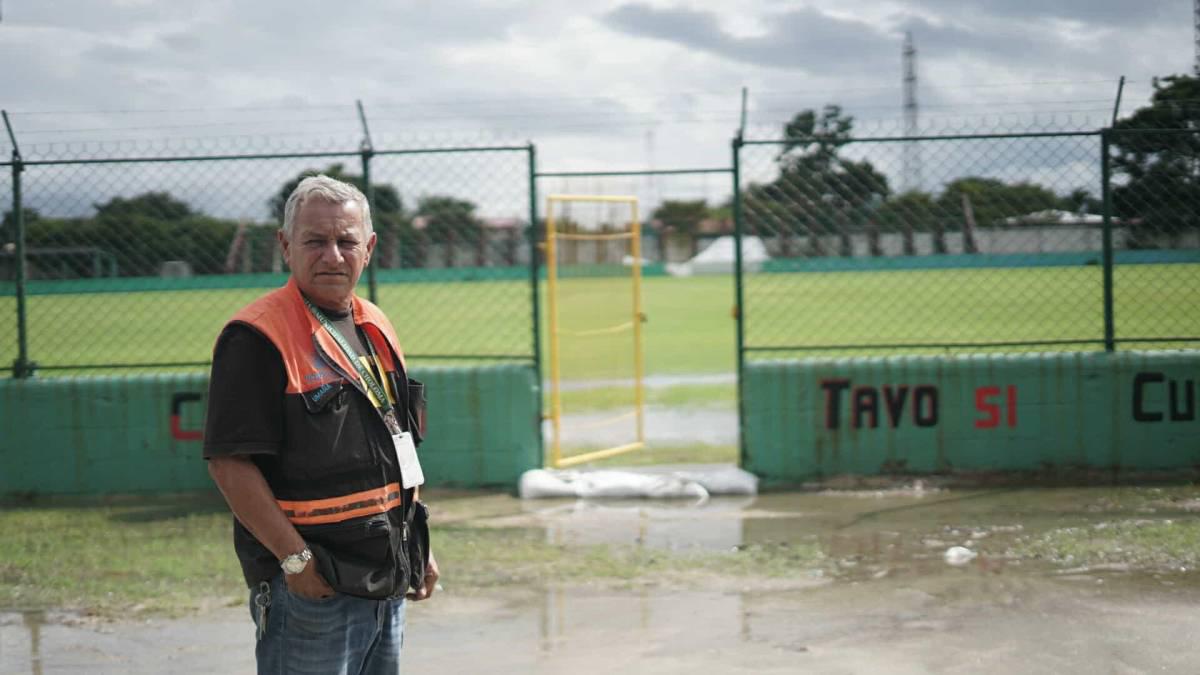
(152, 205)
(909, 212)
(145, 230)
(682, 216)
(1157, 173)
(139, 233)
(134, 229)
(992, 201)
(43, 233)
(451, 222)
(8, 223)
(1080, 200)
(817, 190)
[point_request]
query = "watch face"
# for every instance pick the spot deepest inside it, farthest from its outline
(294, 564)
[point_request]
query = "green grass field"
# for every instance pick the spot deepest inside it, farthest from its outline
(690, 327)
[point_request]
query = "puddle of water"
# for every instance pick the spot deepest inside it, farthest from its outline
(890, 602)
(715, 524)
(25, 655)
(864, 534)
(54, 642)
(954, 625)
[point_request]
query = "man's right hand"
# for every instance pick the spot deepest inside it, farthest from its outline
(309, 583)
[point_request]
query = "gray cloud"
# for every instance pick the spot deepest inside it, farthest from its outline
(1011, 42)
(803, 39)
(89, 16)
(309, 22)
(1017, 35)
(1110, 13)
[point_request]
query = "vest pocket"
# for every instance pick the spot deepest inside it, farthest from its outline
(327, 433)
(320, 398)
(356, 557)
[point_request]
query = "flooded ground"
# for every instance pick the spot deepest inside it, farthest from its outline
(1067, 580)
(707, 423)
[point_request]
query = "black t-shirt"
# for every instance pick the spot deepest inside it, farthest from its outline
(245, 396)
(246, 389)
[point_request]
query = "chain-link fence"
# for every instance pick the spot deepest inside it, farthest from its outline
(128, 256)
(1154, 203)
(132, 255)
(955, 242)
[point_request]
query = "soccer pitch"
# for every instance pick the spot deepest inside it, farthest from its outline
(690, 325)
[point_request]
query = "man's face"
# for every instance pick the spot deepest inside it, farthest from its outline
(327, 251)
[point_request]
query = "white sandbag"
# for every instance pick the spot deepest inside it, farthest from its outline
(725, 479)
(546, 483)
(541, 483)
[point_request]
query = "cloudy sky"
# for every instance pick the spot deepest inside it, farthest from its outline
(596, 84)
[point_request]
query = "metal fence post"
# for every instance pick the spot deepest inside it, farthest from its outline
(1106, 192)
(369, 191)
(22, 367)
(739, 298)
(535, 303)
(366, 151)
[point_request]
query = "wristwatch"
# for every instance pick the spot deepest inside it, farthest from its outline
(296, 562)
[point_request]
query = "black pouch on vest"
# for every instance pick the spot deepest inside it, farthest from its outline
(418, 546)
(355, 557)
(416, 410)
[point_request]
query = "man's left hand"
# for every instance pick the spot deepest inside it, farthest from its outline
(431, 579)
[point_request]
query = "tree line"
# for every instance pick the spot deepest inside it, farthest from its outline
(819, 191)
(140, 233)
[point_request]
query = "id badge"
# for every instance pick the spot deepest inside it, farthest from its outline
(410, 466)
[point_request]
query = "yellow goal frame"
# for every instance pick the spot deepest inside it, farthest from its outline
(637, 317)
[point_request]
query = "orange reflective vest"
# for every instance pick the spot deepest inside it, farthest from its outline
(337, 478)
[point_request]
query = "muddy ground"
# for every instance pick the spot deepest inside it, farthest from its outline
(1068, 580)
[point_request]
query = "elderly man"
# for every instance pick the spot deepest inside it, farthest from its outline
(311, 437)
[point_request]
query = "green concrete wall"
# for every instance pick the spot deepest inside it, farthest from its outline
(100, 435)
(484, 425)
(869, 416)
(95, 435)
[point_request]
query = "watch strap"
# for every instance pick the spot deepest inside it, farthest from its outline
(297, 561)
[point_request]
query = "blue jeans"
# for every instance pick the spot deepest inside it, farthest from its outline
(342, 635)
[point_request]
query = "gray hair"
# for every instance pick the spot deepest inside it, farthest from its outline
(326, 189)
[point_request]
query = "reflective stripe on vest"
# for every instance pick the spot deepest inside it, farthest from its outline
(337, 509)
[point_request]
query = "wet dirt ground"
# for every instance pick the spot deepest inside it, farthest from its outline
(882, 600)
